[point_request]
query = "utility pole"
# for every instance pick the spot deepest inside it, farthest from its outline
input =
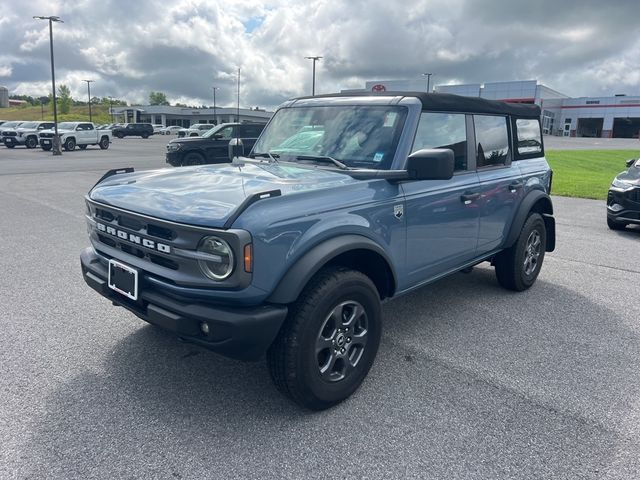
(111, 108)
(313, 75)
(89, 94)
(56, 140)
(428, 75)
(215, 112)
(238, 109)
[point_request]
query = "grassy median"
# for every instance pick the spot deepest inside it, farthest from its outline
(586, 173)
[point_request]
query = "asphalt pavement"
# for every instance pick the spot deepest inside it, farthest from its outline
(471, 381)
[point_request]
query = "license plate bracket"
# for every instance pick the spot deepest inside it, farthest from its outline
(123, 279)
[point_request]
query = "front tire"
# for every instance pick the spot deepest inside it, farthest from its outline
(31, 142)
(69, 144)
(329, 341)
(193, 158)
(518, 266)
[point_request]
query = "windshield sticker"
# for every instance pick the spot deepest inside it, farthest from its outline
(378, 157)
(390, 119)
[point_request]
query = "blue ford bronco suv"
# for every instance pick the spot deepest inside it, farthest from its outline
(345, 201)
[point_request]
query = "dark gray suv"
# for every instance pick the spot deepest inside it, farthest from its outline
(144, 130)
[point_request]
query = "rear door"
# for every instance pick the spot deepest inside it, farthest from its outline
(501, 187)
(442, 215)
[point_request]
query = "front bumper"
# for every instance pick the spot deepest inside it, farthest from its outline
(623, 206)
(174, 158)
(243, 333)
(14, 140)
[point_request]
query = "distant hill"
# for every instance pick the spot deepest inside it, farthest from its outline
(80, 113)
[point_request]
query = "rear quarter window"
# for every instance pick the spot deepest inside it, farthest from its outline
(528, 138)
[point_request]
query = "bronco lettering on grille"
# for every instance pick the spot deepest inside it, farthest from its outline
(130, 237)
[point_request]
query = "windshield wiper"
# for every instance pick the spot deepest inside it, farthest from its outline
(272, 156)
(324, 158)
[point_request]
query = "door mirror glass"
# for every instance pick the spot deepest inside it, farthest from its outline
(431, 164)
(236, 148)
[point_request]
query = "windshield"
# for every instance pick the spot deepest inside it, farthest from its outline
(66, 126)
(224, 130)
(29, 125)
(358, 136)
(10, 124)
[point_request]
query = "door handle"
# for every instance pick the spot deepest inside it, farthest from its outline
(467, 198)
(515, 186)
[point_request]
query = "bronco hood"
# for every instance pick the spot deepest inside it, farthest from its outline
(207, 195)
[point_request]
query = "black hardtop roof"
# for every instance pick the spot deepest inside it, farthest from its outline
(447, 102)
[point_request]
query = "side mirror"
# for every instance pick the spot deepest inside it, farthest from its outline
(218, 136)
(78, 129)
(631, 161)
(431, 164)
(236, 148)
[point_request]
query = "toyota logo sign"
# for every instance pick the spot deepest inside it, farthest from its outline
(378, 88)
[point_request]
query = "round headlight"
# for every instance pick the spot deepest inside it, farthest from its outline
(220, 265)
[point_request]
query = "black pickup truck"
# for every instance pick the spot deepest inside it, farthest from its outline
(212, 147)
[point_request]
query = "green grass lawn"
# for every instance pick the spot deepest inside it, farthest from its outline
(77, 113)
(586, 173)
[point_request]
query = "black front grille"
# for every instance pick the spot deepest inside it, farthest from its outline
(634, 195)
(10, 134)
(46, 135)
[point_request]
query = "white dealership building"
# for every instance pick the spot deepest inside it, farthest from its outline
(187, 116)
(613, 116)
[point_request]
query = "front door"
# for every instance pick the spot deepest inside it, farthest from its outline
(442, 216)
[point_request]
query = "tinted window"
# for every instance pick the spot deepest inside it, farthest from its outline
(227, 133)
(529, 140)
(492, 140)
(86, 126)
(252, 131)
(443, 130)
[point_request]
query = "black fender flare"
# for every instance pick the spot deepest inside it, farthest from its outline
(539, 202)
(297, 277)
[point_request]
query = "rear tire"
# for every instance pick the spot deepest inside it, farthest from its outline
(104, 143)
(145, 135)
(329, 341)
(518, 267)
(613, 225)
(120, 135)
(69, 144)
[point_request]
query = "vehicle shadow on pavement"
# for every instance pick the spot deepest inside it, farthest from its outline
(470, 381)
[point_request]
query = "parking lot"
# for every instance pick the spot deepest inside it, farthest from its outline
(471, 381)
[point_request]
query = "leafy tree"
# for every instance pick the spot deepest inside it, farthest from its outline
(158, 98)
(64, 98)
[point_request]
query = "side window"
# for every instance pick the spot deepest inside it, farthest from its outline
(87, 126)
(251, 131)
(227, 133)
(443, 130)
(492, 140)
(529, 140)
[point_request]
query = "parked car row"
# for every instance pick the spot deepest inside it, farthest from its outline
(71, 135)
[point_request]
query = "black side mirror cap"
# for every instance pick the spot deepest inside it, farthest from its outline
(431, 164)
(631, 161)
(236, 148)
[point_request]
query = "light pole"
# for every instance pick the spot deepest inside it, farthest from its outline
(89, 95)
(111, 108)
(56, 139)
(238, 109)
(215, 112)
(313, 81)
(428, 75)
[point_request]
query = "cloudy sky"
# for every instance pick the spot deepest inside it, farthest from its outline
(185, 47)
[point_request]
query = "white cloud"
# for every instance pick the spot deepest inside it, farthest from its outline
(184, 47)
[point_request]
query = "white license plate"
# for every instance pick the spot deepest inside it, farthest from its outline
(46, 142)
(123, 279)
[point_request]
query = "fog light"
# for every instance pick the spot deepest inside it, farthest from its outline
(204, 326)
